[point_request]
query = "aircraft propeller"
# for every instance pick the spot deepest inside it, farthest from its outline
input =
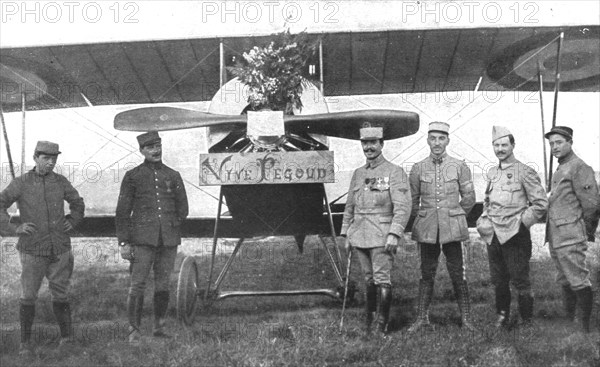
(396, 124)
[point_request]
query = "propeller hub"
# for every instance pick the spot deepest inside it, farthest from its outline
(267, 143)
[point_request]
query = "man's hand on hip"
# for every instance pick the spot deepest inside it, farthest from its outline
(26, 229)
(127, 252)
(68, 226)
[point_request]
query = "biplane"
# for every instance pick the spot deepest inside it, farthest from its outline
(407, 58)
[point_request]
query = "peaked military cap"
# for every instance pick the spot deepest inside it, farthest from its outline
(367, 132)
(441, 127)
(47, 147)
(148, 138)
(565, 131)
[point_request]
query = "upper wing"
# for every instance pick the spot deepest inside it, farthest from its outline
(378, 62)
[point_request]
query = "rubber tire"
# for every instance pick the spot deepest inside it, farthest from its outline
(187, 291)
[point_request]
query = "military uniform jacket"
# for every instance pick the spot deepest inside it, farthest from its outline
(514, 195)
(41, 201)
(442, 196)
(378, 204)
(574, 204)
(152, 203)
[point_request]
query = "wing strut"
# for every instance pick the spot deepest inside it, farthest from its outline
(10, 161)
(541, 85)
(556, 89)
(23, 111)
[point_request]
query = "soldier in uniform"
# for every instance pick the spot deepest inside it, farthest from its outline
(44, 243)
(377, 210)
(442, 196)
(151, 208)
(514, 201)
(574, 207)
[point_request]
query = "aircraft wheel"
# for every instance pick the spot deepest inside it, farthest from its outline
(188, 286)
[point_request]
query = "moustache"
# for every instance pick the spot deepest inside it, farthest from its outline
(369, 150)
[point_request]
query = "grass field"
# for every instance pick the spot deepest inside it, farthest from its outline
(292, 331)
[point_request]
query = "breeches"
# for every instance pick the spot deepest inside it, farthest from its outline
(161, 259)
(57, 269)
(376, 264)
(454, 260)
(570, 265)
(509, 263)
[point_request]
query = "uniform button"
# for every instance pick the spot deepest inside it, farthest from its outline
(156, 179)
(159, 208)
(158, 200)
(438, 199)
(438, 207)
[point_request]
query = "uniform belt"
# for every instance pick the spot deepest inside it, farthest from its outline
(378, 212)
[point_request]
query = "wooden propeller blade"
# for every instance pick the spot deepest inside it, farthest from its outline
(396, 124)
(172, 118)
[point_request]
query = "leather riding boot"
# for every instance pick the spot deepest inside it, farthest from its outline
(569, 301)
(62, 313)
(135, 305)
(585, 299)
(370, 306)
(385, 302)
(425, 294)
(161, 303)
(461, 290)
(526, 307)
(502, 305)
(26, 316)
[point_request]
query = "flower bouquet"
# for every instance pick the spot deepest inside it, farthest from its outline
(276, 74)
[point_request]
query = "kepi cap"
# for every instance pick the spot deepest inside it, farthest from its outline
(148, 138)
(47, 147)
(439, 126)
(499, 132)
(565, 131)
(371, 133)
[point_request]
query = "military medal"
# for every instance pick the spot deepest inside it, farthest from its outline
(168, 183)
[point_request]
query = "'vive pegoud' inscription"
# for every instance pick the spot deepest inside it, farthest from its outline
(266, 168)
